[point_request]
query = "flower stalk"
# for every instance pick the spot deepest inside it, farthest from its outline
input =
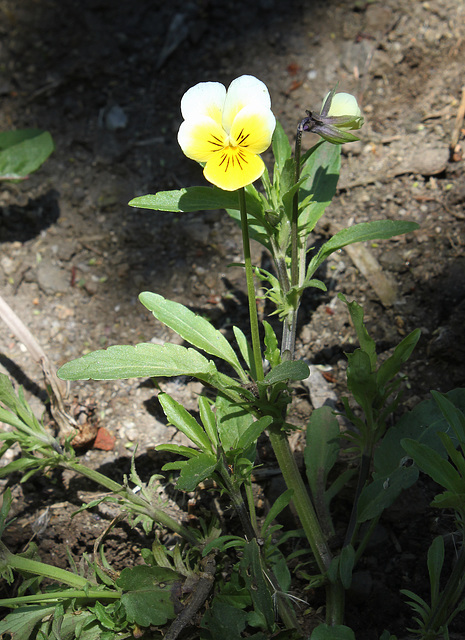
(258, 362)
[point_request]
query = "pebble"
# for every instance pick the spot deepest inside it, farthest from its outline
(115, 118)
(51, 278)
(8, 265)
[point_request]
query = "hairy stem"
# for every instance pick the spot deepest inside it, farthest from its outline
(309, 521)
(139, 504)
(19, 563)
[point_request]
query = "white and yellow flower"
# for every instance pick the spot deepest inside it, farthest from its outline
(227, 130)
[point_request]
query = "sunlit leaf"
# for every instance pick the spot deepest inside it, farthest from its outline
(195, 329)
(140, 361)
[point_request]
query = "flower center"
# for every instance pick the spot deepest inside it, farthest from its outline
(232, 157)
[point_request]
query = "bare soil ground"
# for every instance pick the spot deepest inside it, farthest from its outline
(106, 80)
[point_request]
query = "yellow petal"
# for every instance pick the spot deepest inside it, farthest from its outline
(204, 99)
(252, 129)
(243, 91)
(233, 168)
(201, 138)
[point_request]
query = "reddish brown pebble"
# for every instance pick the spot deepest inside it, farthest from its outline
(104, 440)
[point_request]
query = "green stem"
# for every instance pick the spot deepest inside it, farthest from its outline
(238, 502)
(250, 288)
(89, 594)
(19, 563)
(301, 499)
(362, 478)
(290, 323)
(295, 215)
(309, 521)
(138, 503)
(251, 504)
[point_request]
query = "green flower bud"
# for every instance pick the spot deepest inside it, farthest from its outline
(345, 105)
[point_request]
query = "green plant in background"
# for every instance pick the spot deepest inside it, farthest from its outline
(23, 151)
(246, 577)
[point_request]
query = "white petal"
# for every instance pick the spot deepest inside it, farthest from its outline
(244, 91)
(344, 104)
(204, 99)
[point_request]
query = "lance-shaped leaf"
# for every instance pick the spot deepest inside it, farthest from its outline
(321, 450)
(281, 148)
(141, 361)
(363, 232)
(252, 574)
(184, 421)
(196, 199)
(321, 169)
(191, 327)
(250, 435)
(289, 370)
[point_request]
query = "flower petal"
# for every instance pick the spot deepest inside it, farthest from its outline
(200, 138)
(252, 129)
(233, 168)
(345, 104)
(204, 99)
(243, 91)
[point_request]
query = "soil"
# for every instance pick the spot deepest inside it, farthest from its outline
(106, 80)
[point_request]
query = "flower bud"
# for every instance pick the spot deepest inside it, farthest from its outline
(345, 105)
(339, 115)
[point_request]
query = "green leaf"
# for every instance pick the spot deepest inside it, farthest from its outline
(252, 573)
(208, 419)
(382, 492)
(4, 510)
(21, 623)
(232, 421)
(336, 632)
(224, 620)
(393, 364)
(455, 418)
(196, 199)
(346, 565)
(245, 348)
(434, 465)
(149, 597)
(178, 449)
(22, 152)
(141, 361)
(422, 424)
(196, 330)
(435, 564)
(278, 505)
(289, 370)
(195, 470)
(184, 421)
(361, 380)
(281, 147)
(272, 352)
(367, 344)
(250, 435)
(321, 169)
(363, 232)
(321, 449)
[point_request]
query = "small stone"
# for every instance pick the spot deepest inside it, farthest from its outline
(115, 118)
(8, 265)
(51, 278)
